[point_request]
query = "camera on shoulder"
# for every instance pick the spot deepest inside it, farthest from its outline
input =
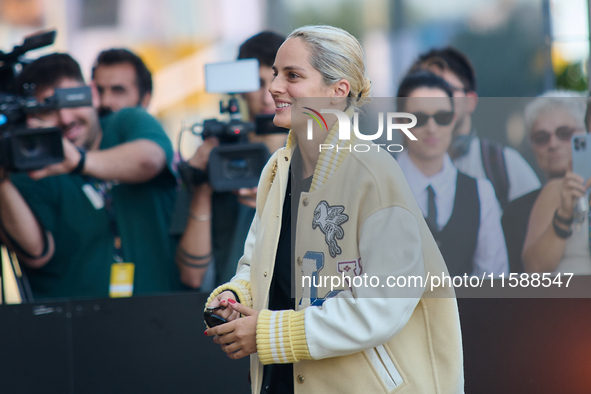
(236, 163)
(23, 148)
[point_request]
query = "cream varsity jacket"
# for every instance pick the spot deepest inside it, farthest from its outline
(359, 219)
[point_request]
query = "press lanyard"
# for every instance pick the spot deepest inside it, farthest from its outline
(104, 189)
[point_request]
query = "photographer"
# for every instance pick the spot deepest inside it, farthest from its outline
(218, 223)
(95, 224)
(122, 80)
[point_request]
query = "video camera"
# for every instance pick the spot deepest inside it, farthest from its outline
(236, 163)
(22, 148)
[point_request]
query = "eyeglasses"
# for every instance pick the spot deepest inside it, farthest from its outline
(442, 118)
(542, 137)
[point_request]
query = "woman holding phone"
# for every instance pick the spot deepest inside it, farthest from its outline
(554, 242)
(330, 214)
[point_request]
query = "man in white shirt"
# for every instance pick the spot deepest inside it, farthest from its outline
(509, 173)
(490, 253)
(461, 212)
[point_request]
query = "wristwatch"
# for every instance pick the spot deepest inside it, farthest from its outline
(198, 176)
(80, 167)
(192, 175)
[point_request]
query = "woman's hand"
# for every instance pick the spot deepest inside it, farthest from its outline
(572, 188)
(224, 300)
(543, 249)
(237, 338)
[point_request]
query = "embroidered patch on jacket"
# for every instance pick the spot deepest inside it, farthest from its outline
(312, 264)
(350, 269)
(329, 219)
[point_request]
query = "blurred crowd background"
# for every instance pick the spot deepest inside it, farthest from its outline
(519, 48)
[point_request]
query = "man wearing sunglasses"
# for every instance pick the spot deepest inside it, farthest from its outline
(442, 118)
(510, 175)
(461, 212)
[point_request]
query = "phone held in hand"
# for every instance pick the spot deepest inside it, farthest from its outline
(212, 320)
(581, 155)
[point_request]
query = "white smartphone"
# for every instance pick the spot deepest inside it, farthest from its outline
(581, 155)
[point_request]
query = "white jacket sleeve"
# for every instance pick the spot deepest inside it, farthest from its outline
(240, 283)
(390, 247)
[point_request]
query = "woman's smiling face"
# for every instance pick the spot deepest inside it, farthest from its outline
(294, 77)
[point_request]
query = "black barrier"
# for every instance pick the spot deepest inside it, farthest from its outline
(526, 345)
(155, 345)
(131, 345)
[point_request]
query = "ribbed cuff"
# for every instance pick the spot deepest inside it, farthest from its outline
(281, 337)
(240, 287)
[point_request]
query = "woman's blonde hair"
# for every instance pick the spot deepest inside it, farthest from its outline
(337, 55)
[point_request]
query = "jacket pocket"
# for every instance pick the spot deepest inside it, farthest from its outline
(384, 366)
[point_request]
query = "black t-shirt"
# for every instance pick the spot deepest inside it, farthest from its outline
(278, 378)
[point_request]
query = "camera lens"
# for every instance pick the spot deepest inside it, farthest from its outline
(35, 148)
(31, 146)
(237, 168)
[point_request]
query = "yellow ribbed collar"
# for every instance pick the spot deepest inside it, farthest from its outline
(329, 160)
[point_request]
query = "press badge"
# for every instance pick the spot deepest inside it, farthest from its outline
(121, 280)
(97, 201)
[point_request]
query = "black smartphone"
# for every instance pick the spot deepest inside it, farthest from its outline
(212, 320)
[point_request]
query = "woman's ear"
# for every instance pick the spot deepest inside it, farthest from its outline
(341, 90)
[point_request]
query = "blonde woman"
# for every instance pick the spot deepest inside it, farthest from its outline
(350, 212)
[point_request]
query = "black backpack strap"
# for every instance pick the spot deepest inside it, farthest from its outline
(493, 161)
